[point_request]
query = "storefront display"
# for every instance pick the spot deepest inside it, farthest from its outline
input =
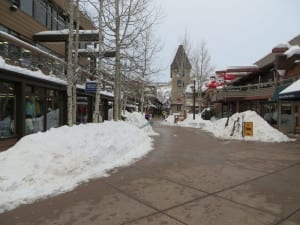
(7, 110)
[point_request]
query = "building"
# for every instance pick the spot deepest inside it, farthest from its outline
(180, 75)
(257, 88)
(32, 68)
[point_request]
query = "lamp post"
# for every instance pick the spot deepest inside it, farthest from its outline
(194, 99)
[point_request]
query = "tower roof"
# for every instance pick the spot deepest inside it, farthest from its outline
(181, 59)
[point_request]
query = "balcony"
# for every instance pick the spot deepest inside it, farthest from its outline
(253, 91)
(18, 53)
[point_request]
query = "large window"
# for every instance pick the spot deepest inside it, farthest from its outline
(40, 11)
(61, 23)
(34, 120)
(54, 19)
(27, 6)
(53, 109)
(7, 110)
(49, 17)
(286, 116)
(82, 110)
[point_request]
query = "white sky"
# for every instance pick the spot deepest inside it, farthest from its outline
(237, 32)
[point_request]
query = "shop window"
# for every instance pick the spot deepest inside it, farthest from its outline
(286, 115)
(7, 110)
(34, 120)
(53, 109)
(4, 49)
(269, 113)
(82, 110)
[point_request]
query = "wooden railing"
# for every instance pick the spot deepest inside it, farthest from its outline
(261, 90)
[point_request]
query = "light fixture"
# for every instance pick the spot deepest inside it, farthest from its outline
(13, 7)
(281, 72)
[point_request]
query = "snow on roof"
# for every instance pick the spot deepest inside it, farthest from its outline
(241, 67)
(293, 50)
(40, 75)
(66, 31)
(292, 88)
(283, 45)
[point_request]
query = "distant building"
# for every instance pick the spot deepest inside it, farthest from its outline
(257, 87)
(180, 74)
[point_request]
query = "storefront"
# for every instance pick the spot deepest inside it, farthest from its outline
(29, 105)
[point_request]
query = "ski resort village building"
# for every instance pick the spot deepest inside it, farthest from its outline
(33, 97)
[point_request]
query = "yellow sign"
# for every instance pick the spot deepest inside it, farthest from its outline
(248, 129)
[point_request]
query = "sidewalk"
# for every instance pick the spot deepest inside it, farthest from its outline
(189, 178)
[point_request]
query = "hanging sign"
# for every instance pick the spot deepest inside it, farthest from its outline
(91, 87)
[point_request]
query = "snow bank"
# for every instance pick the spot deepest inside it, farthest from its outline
(137, 119)
(56, 161)
(262, 131)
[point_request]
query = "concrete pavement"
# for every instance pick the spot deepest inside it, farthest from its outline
(190, 178)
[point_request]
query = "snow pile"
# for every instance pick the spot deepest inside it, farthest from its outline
(137, 119)
(56, 161)
(262, 131)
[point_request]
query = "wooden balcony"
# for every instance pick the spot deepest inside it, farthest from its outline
(258, 91)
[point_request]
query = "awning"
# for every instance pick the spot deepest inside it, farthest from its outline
(63, 35)
(277, 90)
(292, 92)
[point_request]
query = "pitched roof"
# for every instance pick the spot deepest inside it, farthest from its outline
(181, 59)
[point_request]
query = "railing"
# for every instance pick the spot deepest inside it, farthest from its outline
(261, 90)
(19, 53)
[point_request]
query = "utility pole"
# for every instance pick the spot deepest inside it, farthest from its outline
(194, 100)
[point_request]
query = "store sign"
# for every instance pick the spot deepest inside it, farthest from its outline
(248, 129)
(91, 87)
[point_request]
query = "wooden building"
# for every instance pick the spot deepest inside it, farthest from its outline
(32, 71)
(257, 88)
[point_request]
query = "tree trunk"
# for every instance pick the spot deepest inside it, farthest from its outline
(76, 72)
(70, 66)
(96, 114)
(117, 88)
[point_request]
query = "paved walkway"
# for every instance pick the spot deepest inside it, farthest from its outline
(190, 178)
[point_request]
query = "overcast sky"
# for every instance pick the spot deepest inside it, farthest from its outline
(237, 32)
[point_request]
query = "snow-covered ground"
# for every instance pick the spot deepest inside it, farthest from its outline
(49, 163)
(262, 131)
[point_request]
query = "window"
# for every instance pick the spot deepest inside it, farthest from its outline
(54, 19)
(40, 11)
(27, 6)
(7, 110)
(34, 120)
(53, 109)
(16, 2)
(179, 83)
(49, 17)
(61, 23)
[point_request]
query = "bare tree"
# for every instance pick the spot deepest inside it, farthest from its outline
(126, 21)
(201, 67)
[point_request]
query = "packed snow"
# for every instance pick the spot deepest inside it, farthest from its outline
(49, 163)
(292, 88)
(137, 119)
(262, 131)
